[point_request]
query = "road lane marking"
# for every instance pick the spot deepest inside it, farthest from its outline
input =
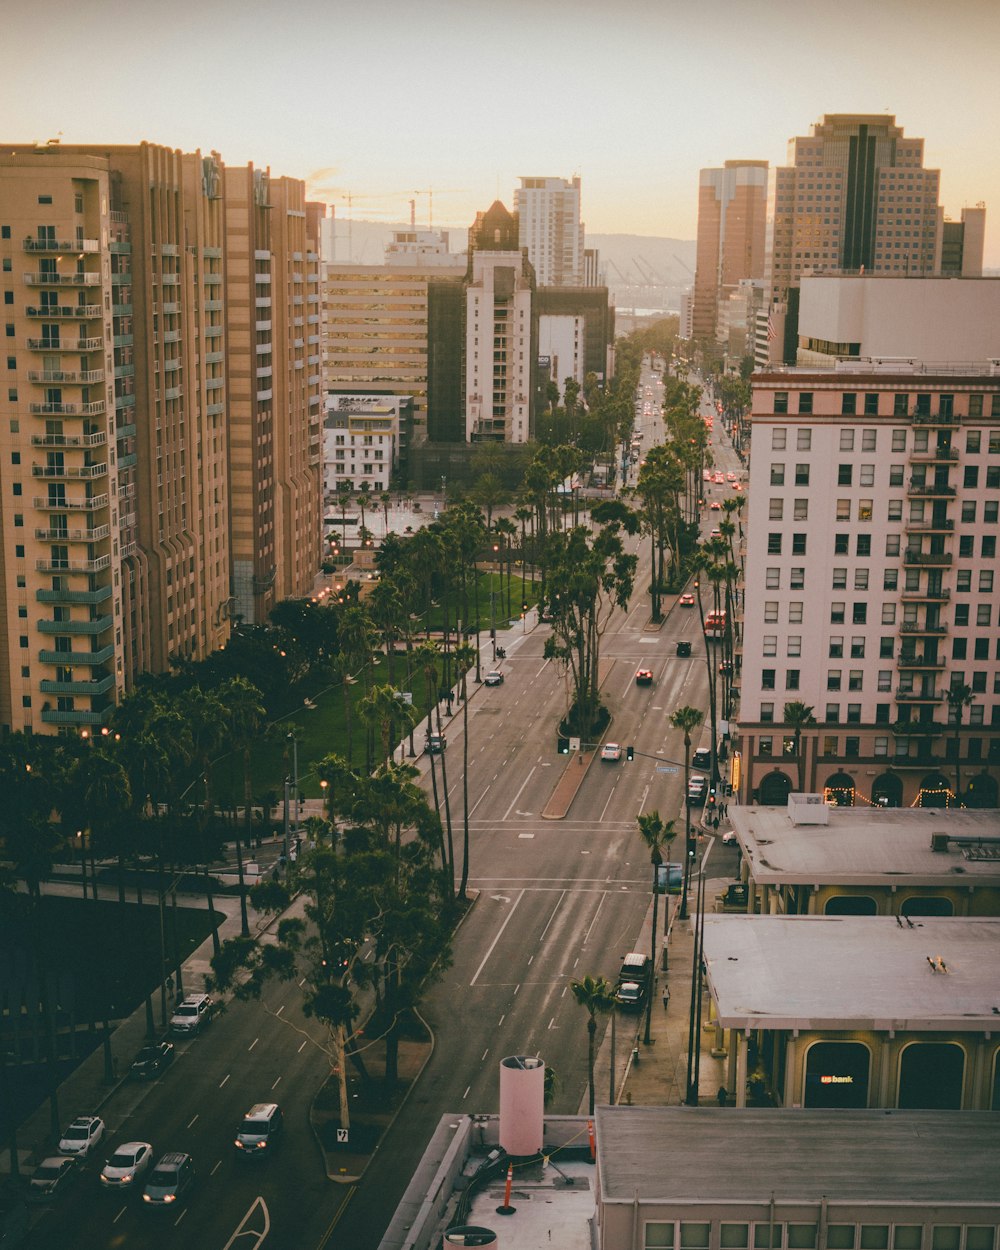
(336, 1219)
(497, 938)
(224, 1079)
(119, 1215)
(642, 801)
(529, 960)
(586, 936)
(518, 795)
(190, 1123)
(302, 1047)
(552, 1023)
(280, 1010)
(551, 917)
(258, 1236)
(610, 797)
(480, 799)
(484, 1054)
(466, 1094)
(253, 1043)
(276, 1083)
(517, 987)
(502, 1019)
(526, 837)
(216, 1168)
(180, 1217)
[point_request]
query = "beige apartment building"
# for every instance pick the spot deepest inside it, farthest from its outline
(732, 214)
(871, 585)
(116, 539)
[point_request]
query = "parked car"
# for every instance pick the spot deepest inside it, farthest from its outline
(82, 1136)
(52, 1177)
(151, 1060)
(127, 1166)
(434, 744)
(260, 1130)
(611, 752)
(191, 1015)
(636, 966)
(697, 788)
(493, 678)
(630, 996)
(702, 758)
(687, 600)
(644, 677)
(170, 1180)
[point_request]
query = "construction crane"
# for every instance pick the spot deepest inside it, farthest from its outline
(429, 192)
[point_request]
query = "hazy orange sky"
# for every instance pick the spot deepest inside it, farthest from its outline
(383, 100)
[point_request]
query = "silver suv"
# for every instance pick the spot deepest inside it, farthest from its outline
(260, 1130)
(170, 1180)
(191, 1015)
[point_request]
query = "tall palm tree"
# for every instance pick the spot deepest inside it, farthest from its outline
(465, 657)
(246, 717)
(797, 716)
(959, 697)
(596, 995)
(656, 836)
(687, 718)
(427, 656)
(385, 711)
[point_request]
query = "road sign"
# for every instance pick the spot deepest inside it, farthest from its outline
(663, 768)
(342, 1135)
(574, 744)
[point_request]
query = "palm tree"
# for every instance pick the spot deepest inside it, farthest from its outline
(656, 835)
(384, 710)
(427, 656)
(246, 716)
(465, 656)
(958, 697)
(687, 718)
(596, 995)
(797, 716)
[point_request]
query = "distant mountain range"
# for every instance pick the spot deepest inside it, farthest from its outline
(642, 271)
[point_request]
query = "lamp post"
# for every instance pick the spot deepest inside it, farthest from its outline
(295, 776)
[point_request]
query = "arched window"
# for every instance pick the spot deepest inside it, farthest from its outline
(981, 791)
(930, 1076)
(840, 788)
(775, 789)
(931, 905)
(887, 790)
(850, 905)
(837, 1075)
(935, 791)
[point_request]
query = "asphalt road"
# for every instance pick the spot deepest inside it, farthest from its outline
(556, 900)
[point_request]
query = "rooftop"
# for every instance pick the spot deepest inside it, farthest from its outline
(697, 1154)
(870, 846)
(854, 972)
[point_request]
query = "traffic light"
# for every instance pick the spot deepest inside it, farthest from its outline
(524, 605)
(563, 745)
(630, 753)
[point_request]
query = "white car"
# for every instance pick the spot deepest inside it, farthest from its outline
(82, 1136)
(611, 751)
(130, 1162)
(729, 837)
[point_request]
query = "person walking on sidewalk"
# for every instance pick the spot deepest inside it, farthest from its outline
(666, 997)
(722, 1096)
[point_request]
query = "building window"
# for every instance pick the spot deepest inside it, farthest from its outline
(832, 716)
(770, 644)
(781, 402)
(843, 509)
(973, 438)
(775, 509)
(777, 475)
(806, 407)
(845, 473)
(871, 404)
(890, 579)
(867, 475)
(795, 612)
(860, 579)
(840, 579)
(860, 614)
(970, 477)
(869, 440)
(774, 544)
(841, 544)
(791, 679)
(864, 545)
(855, 679)
(985, 581)
(836, 647)
(801, 475)
(963, 581)
(778, 439)
(895, 475)
(798, 544)
(837, 612)
(848, 404)
(797, 579)
(772, 579)
(983, 616)
(767, 713)
(767, 679)
(800, 510)
(833, 679)
(899, 436)
(864, 509)
(794, 646)
(847, 440)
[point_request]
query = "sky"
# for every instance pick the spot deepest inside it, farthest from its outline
(379, 103)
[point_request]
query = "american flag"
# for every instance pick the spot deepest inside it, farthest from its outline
(772, 333)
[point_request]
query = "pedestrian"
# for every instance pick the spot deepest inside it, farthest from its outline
(666, 997)
(722, 1095)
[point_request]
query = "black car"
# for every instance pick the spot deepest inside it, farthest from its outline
(702, 758)
(683, 648)
(151, 1060)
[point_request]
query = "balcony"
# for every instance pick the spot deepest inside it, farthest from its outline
(93, 409)
(81, 345)
(100, 685)
(919, 627)
(61, 245)
(62, 279)
(69, 440)
(917, 696)
(75, 658)
(914, 662)
(936, 595)
(917, 729)
(934, 455)
(93, 504)
(929, 527)
(927, 559)
(932, 490)
(74, 377)
(74, 596)
(73, 566)
(52, 716)
(934, 418)
(85, 312)
(95, 535)
(125, 431)
(85, 472)
(99, 625)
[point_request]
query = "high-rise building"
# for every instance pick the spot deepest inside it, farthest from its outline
(962, 244)
(275, 393)
(396, 329)
(501, 332)
(854, 197)
(549, 226)
(118, 398)
(732, 215)
(871, 571)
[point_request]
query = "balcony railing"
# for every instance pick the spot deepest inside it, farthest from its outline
(94, 504)
(916, 696)
(62, 279)
(930, 455)
(929, 527)
(92, 409)
(73, 536)
(78, 716)
(76, 377)
(81, 312)
(74, 596)
(930, 488)
(910, 662)
(917, 728)
(73, 566)
(931, 559)
(81, 345)
(99, 625)
(937, 595)
(61, 245)
(100, 685)
(69, 440)
(934, 418)
(75, 658)
(86, 472)
(919, 627)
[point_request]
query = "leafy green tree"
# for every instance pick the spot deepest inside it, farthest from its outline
(596, 996)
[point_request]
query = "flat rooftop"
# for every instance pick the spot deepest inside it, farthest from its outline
(854, 972)
(701, 1154)
(552, 1209)
(870, 846)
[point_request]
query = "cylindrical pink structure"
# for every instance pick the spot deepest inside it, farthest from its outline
(522, 1104)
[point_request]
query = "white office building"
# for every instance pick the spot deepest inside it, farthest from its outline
(549, 226)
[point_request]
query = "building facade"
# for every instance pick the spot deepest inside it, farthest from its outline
(362, 439)
(732, 214)
(871, 586)
(549, 227)
(853, 197)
